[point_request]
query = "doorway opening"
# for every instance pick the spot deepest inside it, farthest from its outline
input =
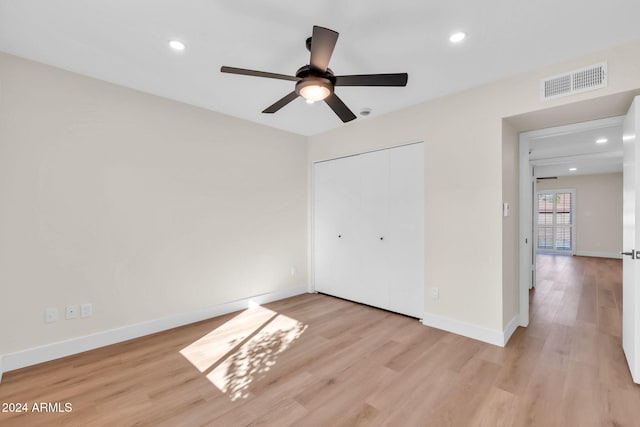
(570, 194)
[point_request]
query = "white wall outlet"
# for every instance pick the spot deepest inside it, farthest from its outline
(293, 271)
(435, 292)
(71, 311)
(86, 310)
(50, 315)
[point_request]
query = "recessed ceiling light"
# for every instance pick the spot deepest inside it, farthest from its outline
(365, 111)
(457, 37)
(573, 169)
(176, 45)
(601, 141)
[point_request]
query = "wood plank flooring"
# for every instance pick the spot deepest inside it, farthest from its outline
(315, 360)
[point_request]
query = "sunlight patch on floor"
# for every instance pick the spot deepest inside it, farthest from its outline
(209, 349)
(243, 350)
(251, 361)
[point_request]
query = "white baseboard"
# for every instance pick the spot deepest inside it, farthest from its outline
(45, 353)
(599, 254)
(522, 321)
(469, 330)
(510, 329)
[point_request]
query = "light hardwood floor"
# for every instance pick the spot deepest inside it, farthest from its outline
(320, 361)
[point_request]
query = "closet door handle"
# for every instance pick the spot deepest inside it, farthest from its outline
(382, 238)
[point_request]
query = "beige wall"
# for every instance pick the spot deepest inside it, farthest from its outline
(598, 211)
(465, 253)
(144, 207)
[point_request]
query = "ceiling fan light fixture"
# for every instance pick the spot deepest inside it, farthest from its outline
(314, 93)
(316, 82)
(314, 89)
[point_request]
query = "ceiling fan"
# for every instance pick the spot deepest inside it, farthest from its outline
(316, 82)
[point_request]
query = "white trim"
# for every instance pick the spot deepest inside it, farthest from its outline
(510, 329)
(526, 225)
(1, 357)
(599, 254)
(48, 352)
(469, 330)
(574, 127)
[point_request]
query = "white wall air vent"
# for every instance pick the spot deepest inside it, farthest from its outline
(572, 82)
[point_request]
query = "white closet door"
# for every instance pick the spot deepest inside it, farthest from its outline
(336, 207)
(373, 285)
(406, 230)
(369, 228)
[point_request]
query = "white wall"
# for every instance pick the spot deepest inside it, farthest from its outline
(464, 172)
(598, 211)
(144, 207)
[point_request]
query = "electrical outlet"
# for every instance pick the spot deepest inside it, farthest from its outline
(86, 310)
(293, 271)
(435, 292)
(50, 315)
(71, 311)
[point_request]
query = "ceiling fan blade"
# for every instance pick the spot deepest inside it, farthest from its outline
(338, 107)
(281, 103)
(323, 41)
(245, 72)
(397, 79)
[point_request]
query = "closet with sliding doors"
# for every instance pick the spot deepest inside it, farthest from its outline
(368, 228)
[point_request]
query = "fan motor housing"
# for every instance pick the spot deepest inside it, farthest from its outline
(309, 71)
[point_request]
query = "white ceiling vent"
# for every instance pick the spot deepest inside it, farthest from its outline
(582, 80)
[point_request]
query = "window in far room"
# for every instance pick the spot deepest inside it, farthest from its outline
(556, 214)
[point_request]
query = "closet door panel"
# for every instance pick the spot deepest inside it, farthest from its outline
(406, 230)
(374, 275)
(325, 225)
(347, 257)
(336, 207)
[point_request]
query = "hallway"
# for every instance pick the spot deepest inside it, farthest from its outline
(576, 291)
(576, 313)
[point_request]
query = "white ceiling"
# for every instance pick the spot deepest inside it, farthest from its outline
(125, 42)
(554, 151)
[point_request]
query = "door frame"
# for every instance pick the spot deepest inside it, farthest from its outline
(527, 189)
